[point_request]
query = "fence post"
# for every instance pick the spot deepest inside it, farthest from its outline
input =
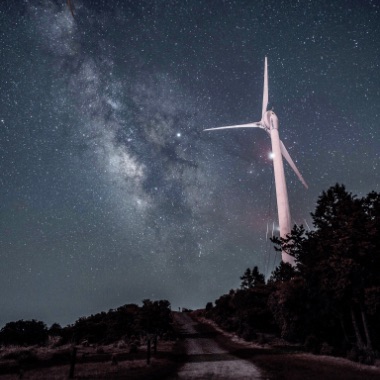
(155, 344)
(148, 352)
(72, 362)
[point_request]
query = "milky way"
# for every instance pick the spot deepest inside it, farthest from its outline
(110, 190)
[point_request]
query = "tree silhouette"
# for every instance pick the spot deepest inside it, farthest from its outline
(283, 273)
(252, 278)
(339, 261)
(24, 333)
(331, 297)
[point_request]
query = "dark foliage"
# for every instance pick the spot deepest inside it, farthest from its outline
(128, 322)
(155, 316)
(283, 273)
(252, 278)
(245, 310)
(330, 299)
(209, 306)
(24, 333)
(125, 322)
(55, 330)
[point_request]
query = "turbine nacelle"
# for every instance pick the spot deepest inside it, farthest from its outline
(269, 120)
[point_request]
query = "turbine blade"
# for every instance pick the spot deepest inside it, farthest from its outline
(249, 125)
(265, 92)
(292, 164)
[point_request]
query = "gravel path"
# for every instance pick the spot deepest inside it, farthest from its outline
(206, 359)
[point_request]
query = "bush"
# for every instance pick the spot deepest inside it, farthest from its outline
(121, 323)
(24, 333)
(55, 330)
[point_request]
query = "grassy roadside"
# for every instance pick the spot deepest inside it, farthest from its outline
(307, 366)
(109, 364)
(284, 363)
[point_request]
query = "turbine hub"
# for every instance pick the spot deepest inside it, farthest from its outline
(270, 120)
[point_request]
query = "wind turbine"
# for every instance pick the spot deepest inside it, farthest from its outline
(269, 122)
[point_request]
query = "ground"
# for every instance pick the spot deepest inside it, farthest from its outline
(93, 362)
(205, 358)
(279, 361)
(203, 352)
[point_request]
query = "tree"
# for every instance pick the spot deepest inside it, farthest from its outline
(339, 261)
(24, 333)
(155, 316)
(331, 297)
(288, 307)
(55, 330)
(283, 273)
(252, 278)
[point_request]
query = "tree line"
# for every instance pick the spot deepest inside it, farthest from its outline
(128, 323)
(330, 299)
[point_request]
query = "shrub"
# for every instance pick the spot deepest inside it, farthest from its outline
(24, 333)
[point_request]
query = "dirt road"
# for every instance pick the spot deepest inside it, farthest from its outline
(205, 359)
(212, 354)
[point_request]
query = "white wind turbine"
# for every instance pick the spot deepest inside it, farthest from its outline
(269, 122)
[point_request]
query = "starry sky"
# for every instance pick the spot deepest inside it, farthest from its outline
(110, 191)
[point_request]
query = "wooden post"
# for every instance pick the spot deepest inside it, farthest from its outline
(72, 362)
(155, 344)
(148, 352)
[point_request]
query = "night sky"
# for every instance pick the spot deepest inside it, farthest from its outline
(110, 191)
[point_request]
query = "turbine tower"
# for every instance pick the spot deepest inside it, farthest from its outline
(269, 122)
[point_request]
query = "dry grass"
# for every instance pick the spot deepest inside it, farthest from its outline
(94, 362)
(132, 370)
